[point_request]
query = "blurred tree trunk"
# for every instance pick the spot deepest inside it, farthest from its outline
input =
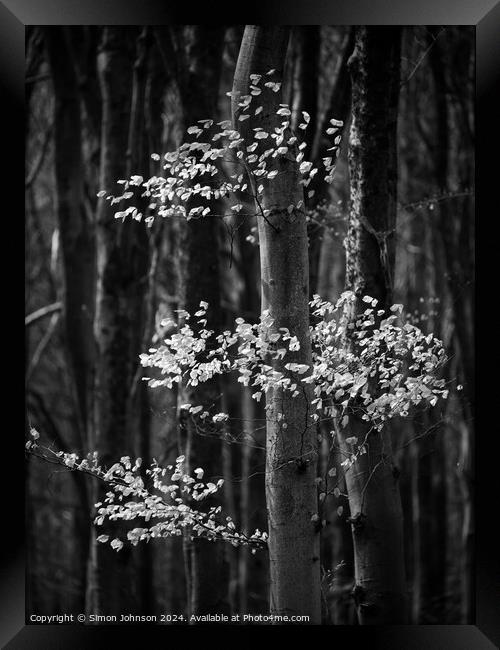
(121, 279)
(455, 233)
(76, 231)
(78, 261)
(138, 163)
(450, 61)
(292, 453)
(338, 109)
(250, 307)
(375, 503)
(196, 55)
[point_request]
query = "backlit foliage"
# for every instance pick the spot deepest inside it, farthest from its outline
(375, 366)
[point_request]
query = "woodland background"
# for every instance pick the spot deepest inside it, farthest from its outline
(158, 81)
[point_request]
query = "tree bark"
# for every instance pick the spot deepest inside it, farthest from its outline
(291, 453)
(372, 486)
(121, 276)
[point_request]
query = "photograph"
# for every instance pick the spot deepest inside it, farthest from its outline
(249, 329)
(250, 323)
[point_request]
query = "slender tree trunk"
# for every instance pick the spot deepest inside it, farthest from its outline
(199, 60)
(248, 416)
(372, 486)
(78, 257)
(250, 306)
(456, 236)
(120, 285)
(77, 239)
(138, 163)
(291, 456)
(340, 103)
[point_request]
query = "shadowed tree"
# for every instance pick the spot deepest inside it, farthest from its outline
(291, 452)
(121, 281)
(372, 485)
(78, 257)
(194, 54)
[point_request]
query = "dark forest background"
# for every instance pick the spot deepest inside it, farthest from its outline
(155, 82)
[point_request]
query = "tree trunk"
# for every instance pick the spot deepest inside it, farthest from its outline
(372, 486)
(291, 455)
(340, 103)
(120, 285)
(250, 307)
(78, 257)
(198, 78)
(77, 239)
(455, 226)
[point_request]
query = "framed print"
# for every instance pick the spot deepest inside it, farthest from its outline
(249, 322)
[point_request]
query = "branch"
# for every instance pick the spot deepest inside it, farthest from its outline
(42, 345)
(42, 312)
(116, 481)
(419, 62)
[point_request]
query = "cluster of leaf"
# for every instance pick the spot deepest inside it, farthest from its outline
(164, 498)
(193, 354)
(203, 168)
(376, 365)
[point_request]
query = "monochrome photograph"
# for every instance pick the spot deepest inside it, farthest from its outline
(249, 324)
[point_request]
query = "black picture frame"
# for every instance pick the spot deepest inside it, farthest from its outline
(485, 16)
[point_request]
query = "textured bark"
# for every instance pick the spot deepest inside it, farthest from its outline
(122, 275)
(291, 453)
(372, 486)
